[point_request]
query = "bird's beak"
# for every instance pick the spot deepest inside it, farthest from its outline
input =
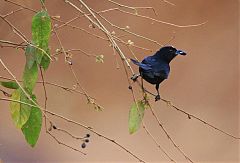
(180, 52)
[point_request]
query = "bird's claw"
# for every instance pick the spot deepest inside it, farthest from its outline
(134, 77)
(157, 98)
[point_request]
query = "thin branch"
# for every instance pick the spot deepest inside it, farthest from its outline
(126, 30)
(81, 125)
(13, 12)
(5, 93)
(67, 22)
(102, 28)
(165, 1)
(51, 84)
(68, 133)
(64, 144)
(168, 136)
(199, 119)
(89, 99)
(169, 103)
(159, 21)
(132, 8)
(75, 50)
(45, 99)
(158, 145)
(13, 43)
(20, 5)
(81, 29)
(92, 34)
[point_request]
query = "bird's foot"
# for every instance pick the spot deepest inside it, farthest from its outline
(157, 98)
(134, 77)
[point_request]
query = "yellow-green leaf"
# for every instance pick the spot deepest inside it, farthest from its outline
(135, 116)
(19, 114)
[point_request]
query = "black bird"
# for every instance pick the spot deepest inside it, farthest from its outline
(154, 69)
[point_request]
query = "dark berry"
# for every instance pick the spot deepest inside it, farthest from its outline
(83, 145)
(54, 127)
(88, 135)
(86, 140)
(129, 87)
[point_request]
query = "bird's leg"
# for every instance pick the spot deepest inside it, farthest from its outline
(142, 84)
(135, 76)
(158, 96)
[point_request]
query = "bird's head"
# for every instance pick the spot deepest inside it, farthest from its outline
(167, 53)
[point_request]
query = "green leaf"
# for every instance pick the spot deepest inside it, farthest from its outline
(19, 114)
(30, 77)
(45, 61)
(9, 84)
(32, 127)
(31, 55)
(135, 116)
(41, 29)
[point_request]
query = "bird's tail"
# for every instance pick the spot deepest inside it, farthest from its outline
(142, 65)
(135, 62)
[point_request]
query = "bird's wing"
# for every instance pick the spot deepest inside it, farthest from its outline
(142, 65)
(159, 68)
(149, 60)
(153, 67)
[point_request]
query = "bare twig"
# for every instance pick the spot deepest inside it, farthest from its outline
(75, 50)
(70, 134)
(51, 84)
(5, 93)
(199, 119)
(14, 44)
(128, 31)
(169, 103)
(12, 12)
(168, 2)
(45, 99)
(81, 125)
(160, 21)
(20, 5)
(102, 28)
(132, 8)
(89, 99)
(168, 136)
(64, 144)
(158, 145)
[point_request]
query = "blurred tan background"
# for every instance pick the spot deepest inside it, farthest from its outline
(204, 83)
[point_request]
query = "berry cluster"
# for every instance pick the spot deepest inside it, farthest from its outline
(85, 140)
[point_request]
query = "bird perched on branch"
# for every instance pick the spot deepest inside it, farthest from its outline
(154, 69)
